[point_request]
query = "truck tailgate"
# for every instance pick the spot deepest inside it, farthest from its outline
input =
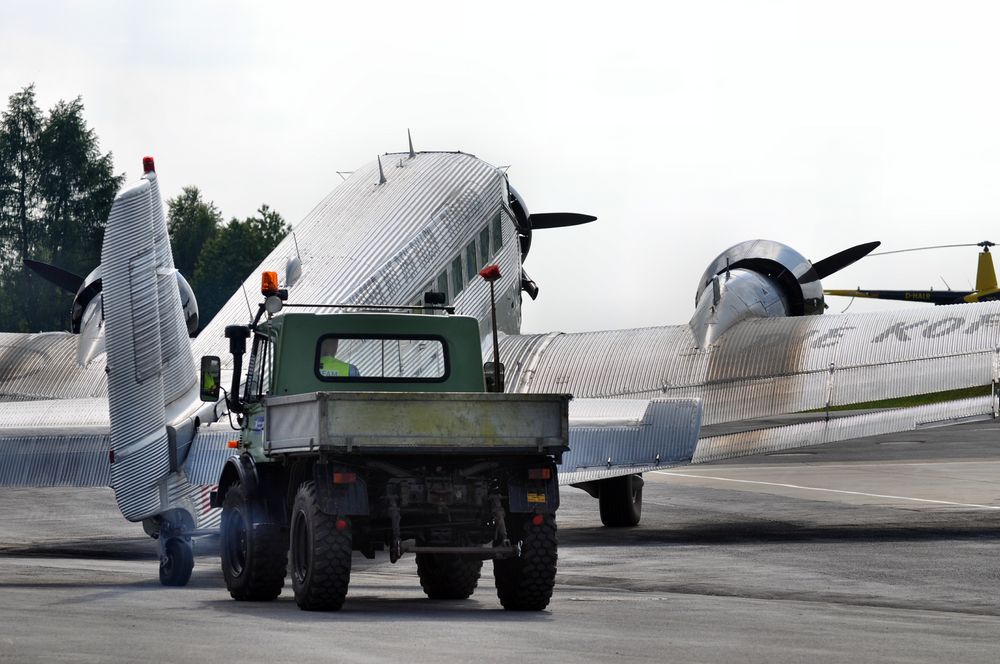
(405, 422)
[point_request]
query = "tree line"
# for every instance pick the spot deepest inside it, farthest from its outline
(56, 190)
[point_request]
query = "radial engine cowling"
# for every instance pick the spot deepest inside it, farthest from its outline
(754, 279)
(87, 316)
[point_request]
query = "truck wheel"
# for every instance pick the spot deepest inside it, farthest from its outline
(321, 554)
(254, 560)
(177, 563)
(621, 501)
(448, 576)
(525, 583)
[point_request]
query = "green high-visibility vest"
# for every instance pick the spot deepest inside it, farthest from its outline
(331, 366)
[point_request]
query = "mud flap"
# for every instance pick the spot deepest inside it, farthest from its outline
(342, 499)
(526, 495)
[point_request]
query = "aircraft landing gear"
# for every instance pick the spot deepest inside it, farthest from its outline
(621, 501)
(176, 560)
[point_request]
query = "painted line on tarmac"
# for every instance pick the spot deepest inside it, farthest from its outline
(813, 488)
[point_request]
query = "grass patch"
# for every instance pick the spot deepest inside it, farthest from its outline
(915, 400)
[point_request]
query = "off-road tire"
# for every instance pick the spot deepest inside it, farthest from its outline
(448, 576)
(254, 559)
(621, 501)
(175, 570)
(321, 554)
(525, 583)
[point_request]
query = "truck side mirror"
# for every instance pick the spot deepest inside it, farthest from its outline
(491, 385)
(211, 377)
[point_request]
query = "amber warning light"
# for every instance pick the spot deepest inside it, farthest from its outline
(269, 283)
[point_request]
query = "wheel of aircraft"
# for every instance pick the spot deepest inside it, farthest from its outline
(621, 501)
(177, 562)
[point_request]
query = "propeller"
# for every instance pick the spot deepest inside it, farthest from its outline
(842, 259)
(559, 219)
(58, 276)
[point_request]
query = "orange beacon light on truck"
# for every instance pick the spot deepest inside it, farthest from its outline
(269, 283)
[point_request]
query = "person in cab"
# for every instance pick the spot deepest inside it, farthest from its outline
(329, 365)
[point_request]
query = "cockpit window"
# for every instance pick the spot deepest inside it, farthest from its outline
(497, 225)
(381, 358)
(471, 270)
(484, 245)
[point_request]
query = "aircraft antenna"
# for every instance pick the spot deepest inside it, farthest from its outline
(296, 241)
(249, 308)
(849, 303)
(381, 173)
(947, 287)
(409, 138)
(345, 174)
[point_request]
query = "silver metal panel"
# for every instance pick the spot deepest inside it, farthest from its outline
(610, 438)
(769, 366)
(209, 453)
(55, 460)
(52, 417)
(383, 244)
(776, 439)
(43, 366)
(136, 394)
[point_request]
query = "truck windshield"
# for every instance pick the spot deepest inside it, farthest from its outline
(380, 358)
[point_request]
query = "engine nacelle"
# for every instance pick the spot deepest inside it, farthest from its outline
(87, 316)
(754, 279)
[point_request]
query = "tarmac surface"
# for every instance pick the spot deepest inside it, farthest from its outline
(880, 550)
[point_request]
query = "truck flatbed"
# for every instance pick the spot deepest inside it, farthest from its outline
(416, 422)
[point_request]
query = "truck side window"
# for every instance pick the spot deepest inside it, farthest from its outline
(258, 369)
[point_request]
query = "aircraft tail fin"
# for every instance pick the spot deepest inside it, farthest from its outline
(986, 277)
(149, 357)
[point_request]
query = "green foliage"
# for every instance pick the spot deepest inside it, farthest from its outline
(192, 223)
(229, 256)
(56, 189)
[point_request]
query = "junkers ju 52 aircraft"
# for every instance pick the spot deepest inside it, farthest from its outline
(416, 222)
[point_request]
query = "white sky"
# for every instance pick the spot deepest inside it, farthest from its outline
(686, 127)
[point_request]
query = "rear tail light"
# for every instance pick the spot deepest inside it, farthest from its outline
(344, 478)
(540, 474)
(537, 520)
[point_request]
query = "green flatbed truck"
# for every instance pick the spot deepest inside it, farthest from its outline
(374, 432)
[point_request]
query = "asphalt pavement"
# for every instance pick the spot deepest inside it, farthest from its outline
(877, 550)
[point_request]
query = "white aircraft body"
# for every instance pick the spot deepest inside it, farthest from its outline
(411, 223)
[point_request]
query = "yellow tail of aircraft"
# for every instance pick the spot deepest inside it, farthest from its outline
(986, 282)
